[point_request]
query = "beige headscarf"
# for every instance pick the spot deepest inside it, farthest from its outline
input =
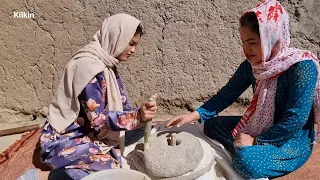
(100, 55)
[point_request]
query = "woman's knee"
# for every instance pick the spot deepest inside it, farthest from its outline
(248, 164)
(222, 122)
(210, 126)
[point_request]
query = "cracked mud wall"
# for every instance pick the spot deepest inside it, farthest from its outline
(190, 50)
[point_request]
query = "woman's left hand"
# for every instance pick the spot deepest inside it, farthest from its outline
(242, 140)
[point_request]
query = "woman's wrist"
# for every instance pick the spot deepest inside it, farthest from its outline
(139, 118)
(195, 115)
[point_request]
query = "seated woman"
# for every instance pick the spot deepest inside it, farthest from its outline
(275, 135)
(90, 106)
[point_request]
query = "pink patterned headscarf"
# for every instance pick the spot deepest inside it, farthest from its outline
(277, 58)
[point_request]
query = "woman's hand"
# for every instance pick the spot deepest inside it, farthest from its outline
(242, 140)
(183, 119)
(148, 110)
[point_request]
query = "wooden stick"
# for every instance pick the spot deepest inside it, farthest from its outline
(18, 130)
(147, 135)
(173, 141)
(148, 126)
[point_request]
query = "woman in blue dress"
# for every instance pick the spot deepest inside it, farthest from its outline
(275, 135)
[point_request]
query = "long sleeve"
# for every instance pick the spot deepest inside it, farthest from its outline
(238, 83)
(302, 79)
(93, 99)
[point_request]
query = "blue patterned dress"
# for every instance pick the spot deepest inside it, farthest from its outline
(74, 149)
(287, 145)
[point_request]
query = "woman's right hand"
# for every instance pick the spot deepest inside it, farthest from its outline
(183, 119)
(148, 110)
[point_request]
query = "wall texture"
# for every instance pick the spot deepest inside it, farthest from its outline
(189, 52)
